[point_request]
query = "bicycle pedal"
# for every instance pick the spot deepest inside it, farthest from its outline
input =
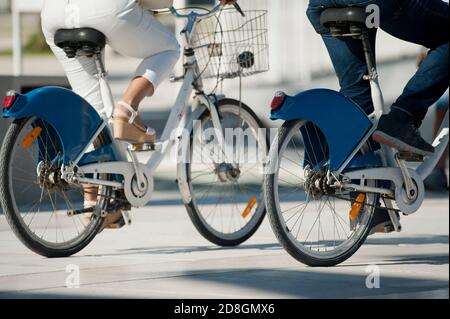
(151, 147)
(385, 230)
(410, 157)
(389, 229)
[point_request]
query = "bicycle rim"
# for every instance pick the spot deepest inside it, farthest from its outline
(41, 218)
(226, 210)
(313, 226)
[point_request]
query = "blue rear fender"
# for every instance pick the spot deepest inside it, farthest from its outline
(73, 119)
(340, 120)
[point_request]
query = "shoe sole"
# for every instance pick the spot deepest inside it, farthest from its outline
(383, 138)
(126, 132)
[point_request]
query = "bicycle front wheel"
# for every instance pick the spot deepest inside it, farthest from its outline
(225, 179)
(316, 224)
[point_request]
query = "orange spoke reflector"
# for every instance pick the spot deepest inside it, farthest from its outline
(31, 137)
(356, 206)
(251, 203)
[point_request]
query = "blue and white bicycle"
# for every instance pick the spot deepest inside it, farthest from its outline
(325, 177)
(58, 144)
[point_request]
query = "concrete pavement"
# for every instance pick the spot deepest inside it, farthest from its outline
(162, 256)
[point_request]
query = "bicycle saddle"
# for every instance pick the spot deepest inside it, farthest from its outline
(342, 15)
(348, 21)
(80, 42)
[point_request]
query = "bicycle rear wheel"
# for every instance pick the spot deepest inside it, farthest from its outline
(316, 224)
(36, 201)
(227, 205)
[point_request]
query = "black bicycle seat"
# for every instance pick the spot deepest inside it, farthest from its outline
(343, 15)
(80, 42)
(344, 22)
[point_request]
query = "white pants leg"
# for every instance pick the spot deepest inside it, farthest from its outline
(129, 30)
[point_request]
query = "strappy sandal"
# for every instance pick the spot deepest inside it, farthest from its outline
(125, 129)
(113, 220)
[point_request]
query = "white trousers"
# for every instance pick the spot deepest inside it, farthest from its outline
(129, 30)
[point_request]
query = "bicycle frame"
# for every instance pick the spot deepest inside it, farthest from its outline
(395, 170)
(345, 142)
(178, 119)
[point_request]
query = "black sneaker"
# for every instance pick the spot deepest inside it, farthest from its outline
(398, 130)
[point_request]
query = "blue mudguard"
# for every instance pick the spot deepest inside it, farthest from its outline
(342, 121)
(73, 119)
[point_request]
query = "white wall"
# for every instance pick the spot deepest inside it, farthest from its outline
(297, 51)
(4, 4)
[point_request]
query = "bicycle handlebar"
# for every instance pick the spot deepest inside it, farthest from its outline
(205, 15)
(239, 9)
(200, 15)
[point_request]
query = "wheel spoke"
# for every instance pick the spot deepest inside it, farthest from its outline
(41, 199)
(220, 200)
(320, 229)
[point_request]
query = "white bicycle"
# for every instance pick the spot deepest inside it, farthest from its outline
(58, 144)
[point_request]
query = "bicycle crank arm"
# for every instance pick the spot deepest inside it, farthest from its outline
(72, 213)
(127, 217)
(393, 216)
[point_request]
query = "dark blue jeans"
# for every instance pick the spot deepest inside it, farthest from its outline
(423, 22)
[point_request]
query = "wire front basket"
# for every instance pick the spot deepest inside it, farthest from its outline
(229, 45)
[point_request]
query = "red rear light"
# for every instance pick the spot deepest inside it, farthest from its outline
(8, 100)
(278, 100)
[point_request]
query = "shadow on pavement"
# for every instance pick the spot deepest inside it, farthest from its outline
(432, 259)
(186, 249)
(416, 240)
(315, 284)
(161, 250)
(284, 283)
(41, 295)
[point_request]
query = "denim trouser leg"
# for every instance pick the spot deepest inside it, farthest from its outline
(426, 86)
(424, 22)
(351, 68)
(346, 54)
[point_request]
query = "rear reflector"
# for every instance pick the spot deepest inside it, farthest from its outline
(278, 100)
(8, 100)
